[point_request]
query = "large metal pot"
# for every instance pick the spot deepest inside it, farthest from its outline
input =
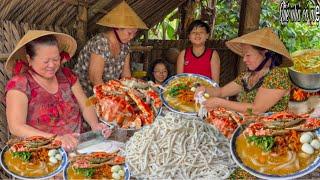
(310, 82)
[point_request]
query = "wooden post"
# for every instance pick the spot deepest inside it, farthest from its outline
(182, 12)
(212, 6)
(249, 21)
(82, 23)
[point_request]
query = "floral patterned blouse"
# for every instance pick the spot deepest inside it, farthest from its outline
(276, 78)
(57, 113)
(113, 65)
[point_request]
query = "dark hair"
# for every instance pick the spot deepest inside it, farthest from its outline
(276, 58)
(198, 23)
(153, 65)
(45, 40)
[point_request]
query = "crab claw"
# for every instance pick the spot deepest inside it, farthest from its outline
(309, 125)
(116, 161)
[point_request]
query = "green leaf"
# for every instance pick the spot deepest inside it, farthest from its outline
(264, 142)
(87, 172)
(170, 32)
(25, 156)
(174, 91)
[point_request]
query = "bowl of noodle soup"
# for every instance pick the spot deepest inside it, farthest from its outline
(70, 174)
(97, 172)
(177, 95)
(247, 157)
(305, 72)
(30, 170)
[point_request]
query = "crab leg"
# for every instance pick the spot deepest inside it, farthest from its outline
(147, 113)
(280, 124)
(37, 141)
(309, 125)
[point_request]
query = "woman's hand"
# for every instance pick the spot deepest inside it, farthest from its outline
(69, 141)
(214, 102)
(106, 131)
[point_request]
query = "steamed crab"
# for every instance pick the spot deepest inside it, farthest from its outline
(281, 123)
(129, 102)
(96, 159)
(34, 143)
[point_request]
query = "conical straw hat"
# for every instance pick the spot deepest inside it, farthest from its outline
(65, 43)
(264, 38)
(122, 16)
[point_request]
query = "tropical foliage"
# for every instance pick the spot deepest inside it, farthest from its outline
(295, 35)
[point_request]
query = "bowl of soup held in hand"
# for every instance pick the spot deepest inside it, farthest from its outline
(35, 157)
(279, 146)
(179, 90)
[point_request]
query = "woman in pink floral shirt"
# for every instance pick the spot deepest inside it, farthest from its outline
(42, 98)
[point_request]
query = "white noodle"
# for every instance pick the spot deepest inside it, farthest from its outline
(178, 147)
(292, 160)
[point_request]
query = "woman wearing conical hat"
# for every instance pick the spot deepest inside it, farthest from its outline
(265, 85)
(48, 97)
(106, 56)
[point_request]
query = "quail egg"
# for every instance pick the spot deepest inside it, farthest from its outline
(315, 144)
(307, 148)
(305, 138)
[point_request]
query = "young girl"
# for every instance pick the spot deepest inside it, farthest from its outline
(159, 71)
(199, 59)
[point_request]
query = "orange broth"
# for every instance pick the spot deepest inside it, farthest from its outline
(28, 169)
(103, 172)
(184, 102)
(254, 157)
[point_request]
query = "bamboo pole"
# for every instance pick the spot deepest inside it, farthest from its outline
(82, 20)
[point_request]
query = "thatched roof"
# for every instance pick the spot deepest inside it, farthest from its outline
(18, 16)
(63, 13)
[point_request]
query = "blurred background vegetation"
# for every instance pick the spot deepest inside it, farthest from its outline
(295, 35)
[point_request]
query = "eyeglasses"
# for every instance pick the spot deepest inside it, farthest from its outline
(160, 72)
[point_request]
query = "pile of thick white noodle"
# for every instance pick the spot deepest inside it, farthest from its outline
(178, 147)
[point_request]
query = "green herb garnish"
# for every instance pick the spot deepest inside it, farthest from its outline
(87, 172)
(174, 91)
(264, 142)
(25, 156)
